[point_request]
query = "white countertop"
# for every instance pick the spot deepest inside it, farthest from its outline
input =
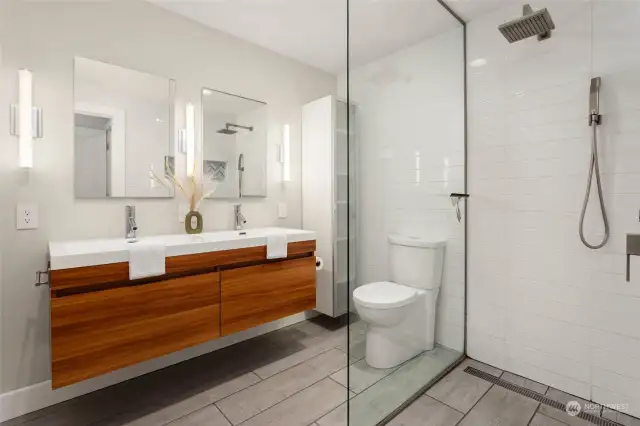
(74, 254)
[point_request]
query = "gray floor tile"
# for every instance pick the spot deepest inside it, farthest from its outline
(27, 417)
(169, 410)
(361, 375)
(621, 418)
(501, 407)
(303, 407)
(208, 416)
(541, 420)
(379, 401)
(426, 411)
(317, 345)
(156, 415)
(563, 397)
(223, 390)
(562, 416)
(524, 382)
(337, 417)
(251, 401)
(357, 346)
(459, 390)
(83, 411)
(469, 362)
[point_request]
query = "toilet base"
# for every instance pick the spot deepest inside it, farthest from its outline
(384, 350)
(393, 343)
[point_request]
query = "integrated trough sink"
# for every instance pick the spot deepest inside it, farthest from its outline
(91, 252)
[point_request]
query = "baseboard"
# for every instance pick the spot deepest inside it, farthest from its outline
(40, 395)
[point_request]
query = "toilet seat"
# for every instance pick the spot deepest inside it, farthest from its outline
(384, 295)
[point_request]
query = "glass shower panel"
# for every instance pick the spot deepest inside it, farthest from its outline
(407, 82)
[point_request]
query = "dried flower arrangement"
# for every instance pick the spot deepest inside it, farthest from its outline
(192, 191)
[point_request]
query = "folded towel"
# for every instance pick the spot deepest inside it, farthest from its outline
(276, 246)
(146, 260)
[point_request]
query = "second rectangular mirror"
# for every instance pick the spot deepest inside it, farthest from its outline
(234, 144)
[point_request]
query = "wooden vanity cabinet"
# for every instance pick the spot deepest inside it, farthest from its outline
(255, 295)
(98, 332)
(101, 321)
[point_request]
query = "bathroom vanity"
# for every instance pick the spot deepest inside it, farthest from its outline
(215, 284)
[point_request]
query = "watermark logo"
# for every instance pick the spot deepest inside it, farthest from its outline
(573, 408)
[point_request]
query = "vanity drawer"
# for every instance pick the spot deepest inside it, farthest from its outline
(255, 295)
(95, 333)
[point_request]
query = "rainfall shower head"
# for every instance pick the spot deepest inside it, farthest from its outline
(530, 24)
(227, 130)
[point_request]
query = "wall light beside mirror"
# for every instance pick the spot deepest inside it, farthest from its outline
(124, 122)
(190, 138)
(285, 153)
(26, 121)
(234, 144)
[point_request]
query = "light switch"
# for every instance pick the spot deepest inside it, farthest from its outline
(27, 216)
(282, 210)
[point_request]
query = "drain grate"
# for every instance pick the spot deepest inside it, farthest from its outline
(596, 420)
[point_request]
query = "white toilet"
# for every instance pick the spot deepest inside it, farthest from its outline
(401, 314)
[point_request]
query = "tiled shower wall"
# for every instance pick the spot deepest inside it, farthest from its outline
(540, 303)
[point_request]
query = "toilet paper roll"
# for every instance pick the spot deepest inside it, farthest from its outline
(319, 263)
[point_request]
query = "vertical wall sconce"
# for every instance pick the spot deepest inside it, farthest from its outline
(25, 119)
(190, 138)
(285, 153)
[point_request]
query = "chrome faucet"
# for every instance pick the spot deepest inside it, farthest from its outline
(239, 217)
(130, 222)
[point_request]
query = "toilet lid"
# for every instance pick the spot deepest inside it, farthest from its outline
(384, 295)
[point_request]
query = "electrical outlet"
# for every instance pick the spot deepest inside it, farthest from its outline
(27, 216)
(282, 210)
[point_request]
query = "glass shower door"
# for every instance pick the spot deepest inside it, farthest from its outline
(408, 308)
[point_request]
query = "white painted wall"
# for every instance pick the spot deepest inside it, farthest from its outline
(411, 104)
(44, 37)
(540, 303)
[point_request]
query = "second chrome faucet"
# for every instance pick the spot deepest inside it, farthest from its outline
(239, 219)
(130, 223)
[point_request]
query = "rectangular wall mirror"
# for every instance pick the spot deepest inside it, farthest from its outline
(234, 144)
(123, 129)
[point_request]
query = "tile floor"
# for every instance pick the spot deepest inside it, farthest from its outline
(293, 376)
(460, 399)
(297, 376)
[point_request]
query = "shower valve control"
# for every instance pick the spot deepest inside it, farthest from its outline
(633, 249)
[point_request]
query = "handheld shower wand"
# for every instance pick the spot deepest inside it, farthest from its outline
(595, 119)
(240, 171)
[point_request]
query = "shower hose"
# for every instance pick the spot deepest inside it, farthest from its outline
(594, 168)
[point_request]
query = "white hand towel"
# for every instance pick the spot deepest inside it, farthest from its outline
(276, 246)
(146, 260)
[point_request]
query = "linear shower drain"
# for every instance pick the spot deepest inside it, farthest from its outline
(596, 420)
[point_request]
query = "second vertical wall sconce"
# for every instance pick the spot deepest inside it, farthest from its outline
(285, 153)
(26, 121)
(190, 138)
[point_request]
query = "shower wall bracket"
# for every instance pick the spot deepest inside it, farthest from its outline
(633, 249)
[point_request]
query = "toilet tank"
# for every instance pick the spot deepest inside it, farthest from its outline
(416, 262)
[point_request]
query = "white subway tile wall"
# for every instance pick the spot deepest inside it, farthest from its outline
(410, 120)
(540, 303)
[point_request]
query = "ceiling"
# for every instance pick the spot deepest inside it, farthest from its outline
(314, 31)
